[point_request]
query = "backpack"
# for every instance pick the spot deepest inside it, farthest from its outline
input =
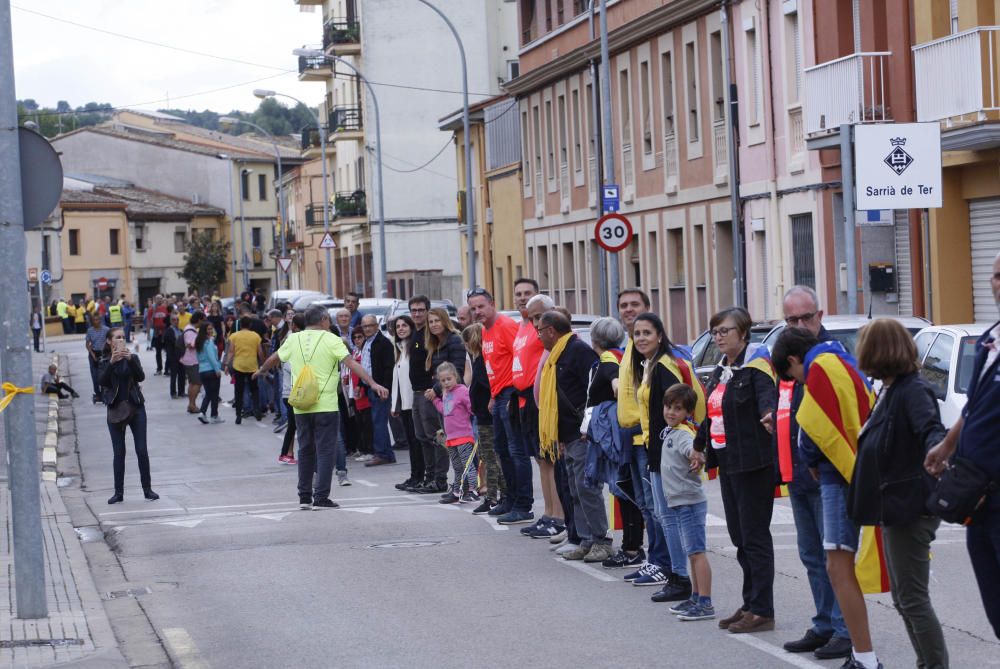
(179, 347)
(305, 389)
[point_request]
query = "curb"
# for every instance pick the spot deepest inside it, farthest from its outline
(49, 455)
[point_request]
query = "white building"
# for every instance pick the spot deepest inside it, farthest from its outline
(412, 60)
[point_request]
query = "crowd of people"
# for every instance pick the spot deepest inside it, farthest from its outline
(484, 395)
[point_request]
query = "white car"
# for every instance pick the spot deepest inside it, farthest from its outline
(946, 354)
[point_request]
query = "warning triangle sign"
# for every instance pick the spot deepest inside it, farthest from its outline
(328, 242)
(284, 263)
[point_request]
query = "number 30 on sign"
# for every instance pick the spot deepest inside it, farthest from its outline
(613, 232)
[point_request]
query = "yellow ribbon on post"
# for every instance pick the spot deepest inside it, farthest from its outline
(10, 390)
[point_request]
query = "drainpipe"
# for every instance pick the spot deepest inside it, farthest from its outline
(732, 104)
(779, 265)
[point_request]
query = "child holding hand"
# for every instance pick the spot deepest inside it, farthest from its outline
(456, 407)
(688, 506)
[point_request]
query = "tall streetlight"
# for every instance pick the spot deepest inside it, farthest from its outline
(471, 242)
(232, 120)
(263, 94)
(317, 54)
(245, 172)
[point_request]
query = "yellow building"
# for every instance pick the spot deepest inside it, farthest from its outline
(122, 240)
(964, 234)
(496, 176)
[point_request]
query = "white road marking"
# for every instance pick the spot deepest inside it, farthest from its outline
(195, 522)
(782, 515)
(184, 649)
(580, 566)
(774, 651)
(272, 516)
(367, 484)
(361, 509)
(149, 510)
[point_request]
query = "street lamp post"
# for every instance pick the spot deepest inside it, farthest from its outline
(243, 227)
(316, 53)
(471, 242)
(232, 120)
(262, 93)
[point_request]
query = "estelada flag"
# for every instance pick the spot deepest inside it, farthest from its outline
(836, 403)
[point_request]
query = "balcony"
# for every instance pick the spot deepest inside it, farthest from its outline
(956, 78)
(314, 69)
(314, 214)
(720, 151)
(349, 205)
(342, 37)
(312, 145)
(849, 90)
(345, 123)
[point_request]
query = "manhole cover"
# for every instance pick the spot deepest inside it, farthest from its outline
(423, 543)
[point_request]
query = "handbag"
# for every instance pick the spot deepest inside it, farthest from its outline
(960, 492)
(121, 412)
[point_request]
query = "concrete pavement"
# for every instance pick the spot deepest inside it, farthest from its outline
(224, 570)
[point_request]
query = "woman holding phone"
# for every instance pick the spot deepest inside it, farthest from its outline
(119, 375)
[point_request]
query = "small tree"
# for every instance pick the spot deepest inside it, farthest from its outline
(205, 262)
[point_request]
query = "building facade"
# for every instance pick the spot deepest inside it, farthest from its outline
(415, 86)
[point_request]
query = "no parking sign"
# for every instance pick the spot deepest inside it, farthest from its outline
(613, 232)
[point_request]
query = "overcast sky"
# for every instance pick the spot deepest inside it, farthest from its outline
(55, 60)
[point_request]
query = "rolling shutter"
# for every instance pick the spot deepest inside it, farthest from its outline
(904, 267)
(984, 229)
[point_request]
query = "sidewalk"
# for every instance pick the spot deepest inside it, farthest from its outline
(77, 629)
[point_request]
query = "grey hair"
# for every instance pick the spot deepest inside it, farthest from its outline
(342, 310)
(803, 290)
(315, 314)
(607, 333)
(546, 301)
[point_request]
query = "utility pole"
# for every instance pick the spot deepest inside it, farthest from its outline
(609, 139)
(606, 307)
(15, 354)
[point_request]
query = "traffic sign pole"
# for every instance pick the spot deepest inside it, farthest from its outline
(15, 353)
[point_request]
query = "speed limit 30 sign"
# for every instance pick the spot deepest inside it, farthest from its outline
(613, 232)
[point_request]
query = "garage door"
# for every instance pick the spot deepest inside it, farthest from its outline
(904, 271)
(984, 228)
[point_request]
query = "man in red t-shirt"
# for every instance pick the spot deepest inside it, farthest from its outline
(498, 352)
(159, 323)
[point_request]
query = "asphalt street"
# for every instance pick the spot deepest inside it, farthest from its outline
(238, 576)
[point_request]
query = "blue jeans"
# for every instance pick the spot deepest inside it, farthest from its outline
(658, 553)
(514, 460)
(807, 509)
(669, 525)
(380, 428)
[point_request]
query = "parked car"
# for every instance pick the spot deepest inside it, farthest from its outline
(305, 301)
(946, 354)
(706, 355)
(844, 328)
(291, 296)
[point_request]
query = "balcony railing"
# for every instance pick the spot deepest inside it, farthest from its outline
(310, 138)
(309, 63)
(850, 90)
(796, 131)
(345, 118)
(347, 205)
(341, 32)
(950, 79)
(314, 214)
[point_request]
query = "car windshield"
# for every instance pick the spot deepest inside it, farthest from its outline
(963, 371)
(374, 310)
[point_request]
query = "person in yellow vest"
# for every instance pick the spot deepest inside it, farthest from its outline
(115, 315)
(91, 306)
(62, 310)
(80, 320)
(183, 316)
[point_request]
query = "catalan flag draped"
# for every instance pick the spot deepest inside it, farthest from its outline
(837, 402)
(758, 357)
(680, 366)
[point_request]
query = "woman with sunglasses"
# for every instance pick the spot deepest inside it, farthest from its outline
(740, 394)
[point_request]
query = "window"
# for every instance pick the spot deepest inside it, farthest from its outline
(667, 91)
(527, 21)
(262, 187)
(645, 93)
(74, 242)
(548, 15)
(577, 144)
(245, 185)
(718, 93)
(563, 144)
(550, 149)
(937, 365)
(180, 240)
(559, 12)
(591, 137)
(675, 258)
(538, 144)
(793, 42)
(753, 75)
(954, 16)
(113, 242)
(624, 94)
(513, 69)
(140, 238)
(691, 67)
(255, 236)
(698, 255)
(525, 152)
(802, 250)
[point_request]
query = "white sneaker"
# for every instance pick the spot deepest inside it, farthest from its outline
(342, 478)
(218, 419)
(365, 457)
(566, 548)
(559, 545)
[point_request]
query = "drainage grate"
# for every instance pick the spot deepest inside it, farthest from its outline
(37, 643)
(131, 592)
(412, 544)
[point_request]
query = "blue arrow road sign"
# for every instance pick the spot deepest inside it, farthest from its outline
(45, 276)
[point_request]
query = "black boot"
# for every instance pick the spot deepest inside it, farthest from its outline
(150, 495)
(116, 498)
(677, 589)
